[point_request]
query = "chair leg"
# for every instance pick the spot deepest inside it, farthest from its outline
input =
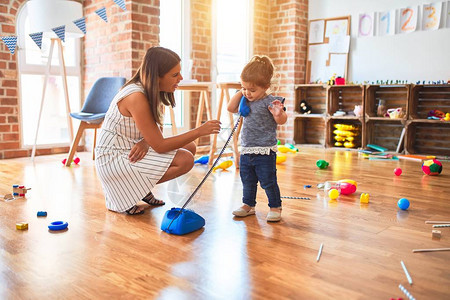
(75, 142)
(93, 145)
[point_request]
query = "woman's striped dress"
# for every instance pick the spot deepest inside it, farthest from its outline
(125, 183)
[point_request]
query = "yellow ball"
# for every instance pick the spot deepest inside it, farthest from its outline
(333, 194)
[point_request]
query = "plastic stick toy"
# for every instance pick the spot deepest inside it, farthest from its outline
(320, 252)
(405, 291)
(406, 272)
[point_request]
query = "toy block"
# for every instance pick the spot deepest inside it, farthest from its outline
(41, 213)
(20, 190)
(436, 234)
(22, 225)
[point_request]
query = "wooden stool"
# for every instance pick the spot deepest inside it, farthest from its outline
(224, 91)
(203, 88)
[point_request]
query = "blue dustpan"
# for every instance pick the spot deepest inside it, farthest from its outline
(178, 223)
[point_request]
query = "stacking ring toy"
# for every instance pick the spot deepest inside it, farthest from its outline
(58, 225)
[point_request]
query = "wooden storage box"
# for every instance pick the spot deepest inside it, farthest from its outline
(432, 138)
(425, 98)
(384, 133)
(345, 98)
(315, 95)
(395, 96)
(357, 139)
(309, 131)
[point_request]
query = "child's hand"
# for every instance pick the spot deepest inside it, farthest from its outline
(276, 108)
(138, 151)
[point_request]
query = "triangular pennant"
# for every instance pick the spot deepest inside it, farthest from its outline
(81, 24)
(11, 42)
(37, 38)
(60, 32)
(101, 12)
(121, 3)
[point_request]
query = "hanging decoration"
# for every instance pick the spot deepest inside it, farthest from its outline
(121, 4)
(11, 42)
(60, 32)
(37, 38)
(81, 24)
(101, 12)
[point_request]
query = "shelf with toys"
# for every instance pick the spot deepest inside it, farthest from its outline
(386, 102)
(310, 112)
(428, 127)
(344, 133)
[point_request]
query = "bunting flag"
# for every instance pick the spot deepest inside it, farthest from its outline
(37, 38)
(60, 32)
(121, 3)
(102, 14)
(11, 42)
(81, 24)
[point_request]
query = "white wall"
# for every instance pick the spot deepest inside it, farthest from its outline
(420, 55)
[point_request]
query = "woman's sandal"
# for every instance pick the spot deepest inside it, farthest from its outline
(135, 210)
(151, 200)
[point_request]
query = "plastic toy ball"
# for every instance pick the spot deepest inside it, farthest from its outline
(398, 171)
(403, 203)
(322, 164)
(333, 194)
(432, 167)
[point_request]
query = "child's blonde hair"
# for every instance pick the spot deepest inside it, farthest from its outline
(259, 71)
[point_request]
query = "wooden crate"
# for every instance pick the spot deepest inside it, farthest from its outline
(425, 98)
(432, 138)
(384, 133)
(394, 95)
(314, 94)
(309, 131)
(330, 137)
(345, 97)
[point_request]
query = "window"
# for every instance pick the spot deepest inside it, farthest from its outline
(232, 48)
(174, 34)
(53, 128)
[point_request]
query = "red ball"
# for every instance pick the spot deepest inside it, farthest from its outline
(76, 160)
(398, 171)
(64, 161)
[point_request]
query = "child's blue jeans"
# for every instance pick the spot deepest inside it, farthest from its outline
(262, 168)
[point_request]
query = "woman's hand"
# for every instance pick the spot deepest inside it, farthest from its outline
(209, 127)
(138, 151)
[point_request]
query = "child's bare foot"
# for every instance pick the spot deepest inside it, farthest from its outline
(244, 211)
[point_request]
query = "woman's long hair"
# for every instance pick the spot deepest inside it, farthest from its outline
(156, 63)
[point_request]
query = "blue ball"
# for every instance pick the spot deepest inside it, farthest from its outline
(403, 203)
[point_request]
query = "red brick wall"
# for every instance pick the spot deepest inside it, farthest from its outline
(201, 32)
(288, 23)
(261, 36)
(9, 85)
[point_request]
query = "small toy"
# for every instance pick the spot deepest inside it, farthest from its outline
(202, 160)
(22, 225)
(340, 80)
(292, 197)
(76, 160)
(432, 167)
(58, 225)
(284, 149)
(178, 223)
(281, 158)
(223, 165)
(8, 197)
(320, 252)
(364, 198)
(41, 213)
(398, 171)
(436, 234)
(344, 186)
(446, 118)
(322, 164)
(403, 203)
(333, 194)
(306, 186)
(305, 108)
(290, 146)
(19, 190)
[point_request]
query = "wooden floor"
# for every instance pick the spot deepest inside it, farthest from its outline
(104, 254)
